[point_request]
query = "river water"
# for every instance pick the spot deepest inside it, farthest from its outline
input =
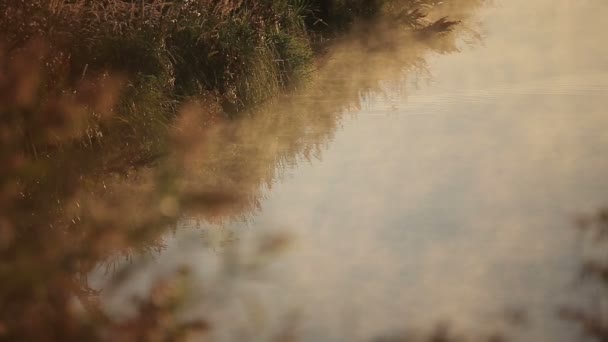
(444, 192)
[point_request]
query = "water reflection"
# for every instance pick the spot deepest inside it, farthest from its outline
(246, 156)
(454, 204)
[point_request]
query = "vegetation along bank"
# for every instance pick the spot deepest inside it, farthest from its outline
(91, 89)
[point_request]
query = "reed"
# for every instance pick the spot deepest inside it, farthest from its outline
(91, 91)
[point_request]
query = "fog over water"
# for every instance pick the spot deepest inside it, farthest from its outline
(449, 195)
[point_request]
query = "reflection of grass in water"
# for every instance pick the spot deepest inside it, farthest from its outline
(75, 186)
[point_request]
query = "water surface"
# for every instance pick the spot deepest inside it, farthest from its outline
(449, 195)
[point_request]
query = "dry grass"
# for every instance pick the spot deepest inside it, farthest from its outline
(90, 91)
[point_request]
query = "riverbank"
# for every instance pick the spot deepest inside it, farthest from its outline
(94, 92)
(234, 54)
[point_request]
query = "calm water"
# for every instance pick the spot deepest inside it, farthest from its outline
(447, 196)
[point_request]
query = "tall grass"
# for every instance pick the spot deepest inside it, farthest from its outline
(238, 53)
(89, 91)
